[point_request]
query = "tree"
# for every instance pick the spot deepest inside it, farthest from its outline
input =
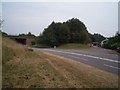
(97, 37)
(56, 34)
(78, 31)
(113, 42)
(72, 31)
(29, 34)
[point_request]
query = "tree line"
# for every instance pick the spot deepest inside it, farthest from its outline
(71, 31)
(113, 42)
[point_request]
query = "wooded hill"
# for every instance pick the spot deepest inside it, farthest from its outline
(71, 31)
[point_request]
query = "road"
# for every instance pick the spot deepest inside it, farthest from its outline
(100, 58)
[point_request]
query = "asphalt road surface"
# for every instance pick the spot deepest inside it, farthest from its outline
(104, 59)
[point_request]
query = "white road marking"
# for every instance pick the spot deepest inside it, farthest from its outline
(78, 58)
(84, 59)
(105, 59)
(112, 66)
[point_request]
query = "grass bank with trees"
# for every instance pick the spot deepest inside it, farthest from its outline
(24, 68)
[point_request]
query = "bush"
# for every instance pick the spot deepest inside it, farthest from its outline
(115, 45)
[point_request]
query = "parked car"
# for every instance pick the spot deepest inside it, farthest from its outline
(118, 49)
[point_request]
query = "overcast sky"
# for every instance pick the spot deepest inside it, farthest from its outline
(24, 17)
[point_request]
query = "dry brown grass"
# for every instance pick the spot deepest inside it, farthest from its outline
(82, 75)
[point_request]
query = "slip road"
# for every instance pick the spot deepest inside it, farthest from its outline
(100, 58)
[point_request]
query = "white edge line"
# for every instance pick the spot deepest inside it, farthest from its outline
(105, 59)
(111, 66)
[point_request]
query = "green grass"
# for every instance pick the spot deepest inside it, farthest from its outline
(74, 46)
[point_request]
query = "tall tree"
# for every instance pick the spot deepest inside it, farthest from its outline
(97, 37)
(78, 31)
(55, 34)
(72, 31)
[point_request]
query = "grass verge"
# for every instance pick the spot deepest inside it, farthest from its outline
(81, 75)
(74, 46)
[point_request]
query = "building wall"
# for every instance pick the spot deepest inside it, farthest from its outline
(24, 40)
(30, 41)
